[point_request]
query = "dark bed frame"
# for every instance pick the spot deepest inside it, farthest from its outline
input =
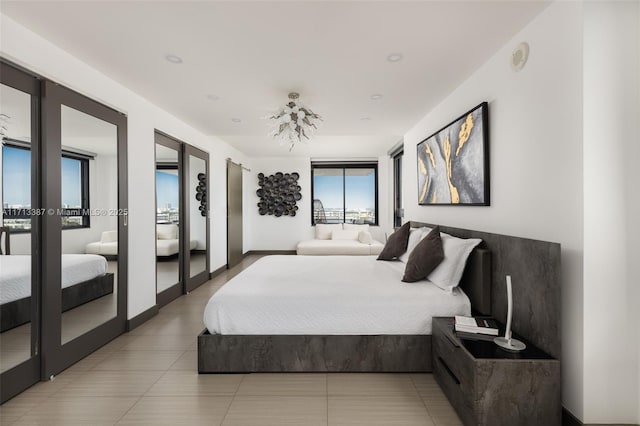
(534, 266)
(18, 312)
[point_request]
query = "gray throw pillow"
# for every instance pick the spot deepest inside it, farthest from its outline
(396, 243)
(425, 257)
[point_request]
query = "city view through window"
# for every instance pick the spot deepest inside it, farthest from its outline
(344, 195)
(167, 193)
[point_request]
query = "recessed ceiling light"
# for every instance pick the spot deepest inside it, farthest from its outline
(394, 57)
(173, 59)
(213, 97)
(236, 120)
(376, 96)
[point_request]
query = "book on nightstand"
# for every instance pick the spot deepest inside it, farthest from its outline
(473, 325)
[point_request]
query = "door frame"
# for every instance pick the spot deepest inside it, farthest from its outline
(60, 356)
(27, 373)
(191, 283)
(176, 290)
(239, 166)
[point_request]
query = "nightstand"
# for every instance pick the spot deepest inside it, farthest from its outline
(489, 386)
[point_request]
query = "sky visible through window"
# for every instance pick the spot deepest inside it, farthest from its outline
(360, 191)
(167, 189)
(16, 179)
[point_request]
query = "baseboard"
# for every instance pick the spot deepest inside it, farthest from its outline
(269, 252)
(569, 419)
(217, 271)
(143, 317)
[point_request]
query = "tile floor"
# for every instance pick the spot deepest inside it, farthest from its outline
(149, 376)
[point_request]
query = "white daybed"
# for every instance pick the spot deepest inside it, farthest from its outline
(344, 239)
(167, 242)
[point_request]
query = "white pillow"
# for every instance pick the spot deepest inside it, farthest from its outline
(340, 234)
(456, 251)
(323, 230)
(167, 232)
(354, 227)
(365, 237)
(415, 236)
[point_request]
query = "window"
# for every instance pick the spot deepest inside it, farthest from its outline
(398, 211)
(16, 189)
(345, 193)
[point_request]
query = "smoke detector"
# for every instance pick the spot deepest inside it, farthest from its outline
(519, 56)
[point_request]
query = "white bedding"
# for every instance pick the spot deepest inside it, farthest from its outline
(328, 295)
(15, 273)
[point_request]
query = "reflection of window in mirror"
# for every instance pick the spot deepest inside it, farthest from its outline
(16, 178)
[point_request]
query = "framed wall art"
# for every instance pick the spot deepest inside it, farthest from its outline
(453, 163)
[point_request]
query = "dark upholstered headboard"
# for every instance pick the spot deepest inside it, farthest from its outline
(534, 267)
(476, 281)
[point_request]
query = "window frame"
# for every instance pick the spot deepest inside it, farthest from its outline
(344, 166)
(66, 212)
(398, 209)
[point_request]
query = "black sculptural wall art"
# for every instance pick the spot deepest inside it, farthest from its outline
(278, 194)
(201, 193)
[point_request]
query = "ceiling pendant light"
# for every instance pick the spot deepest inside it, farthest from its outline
(293, 122)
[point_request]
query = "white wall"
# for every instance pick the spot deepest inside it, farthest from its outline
(535, 122)
(278, 233)
(27, 49)
(269, 232)
(611, 130)
(564, 153)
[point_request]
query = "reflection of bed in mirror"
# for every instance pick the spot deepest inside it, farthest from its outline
(84, 278)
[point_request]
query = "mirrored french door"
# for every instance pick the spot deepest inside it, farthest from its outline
(169, 219)
(196, 241)
(20, 351)
(63, 237)
(84, 232)
(182, 218)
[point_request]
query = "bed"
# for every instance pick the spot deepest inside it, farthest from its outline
(84, 278)
(332, 313)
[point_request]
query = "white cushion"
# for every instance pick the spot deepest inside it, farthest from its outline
(456, 251)
(354, 227)
(377, 233)
(365, 237)
(109, 237)
(324, 230)
(339, 234)
(167, 231)
(93, 248)
(167, 247)
(415, 236)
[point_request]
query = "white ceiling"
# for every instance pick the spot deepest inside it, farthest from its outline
(250, 55)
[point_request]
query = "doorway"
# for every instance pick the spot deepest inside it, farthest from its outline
(234, 214)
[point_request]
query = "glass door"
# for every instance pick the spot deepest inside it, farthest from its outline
(168, 219)
(20, 352)
(85, 229)
(196, 244)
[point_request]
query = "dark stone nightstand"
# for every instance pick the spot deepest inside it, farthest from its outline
(489, 386)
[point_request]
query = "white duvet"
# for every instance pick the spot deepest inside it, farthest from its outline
(15, 273)
(328, 295)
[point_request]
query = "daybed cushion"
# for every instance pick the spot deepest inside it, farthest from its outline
(324, 230)
(338, 247)
(344, 235)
